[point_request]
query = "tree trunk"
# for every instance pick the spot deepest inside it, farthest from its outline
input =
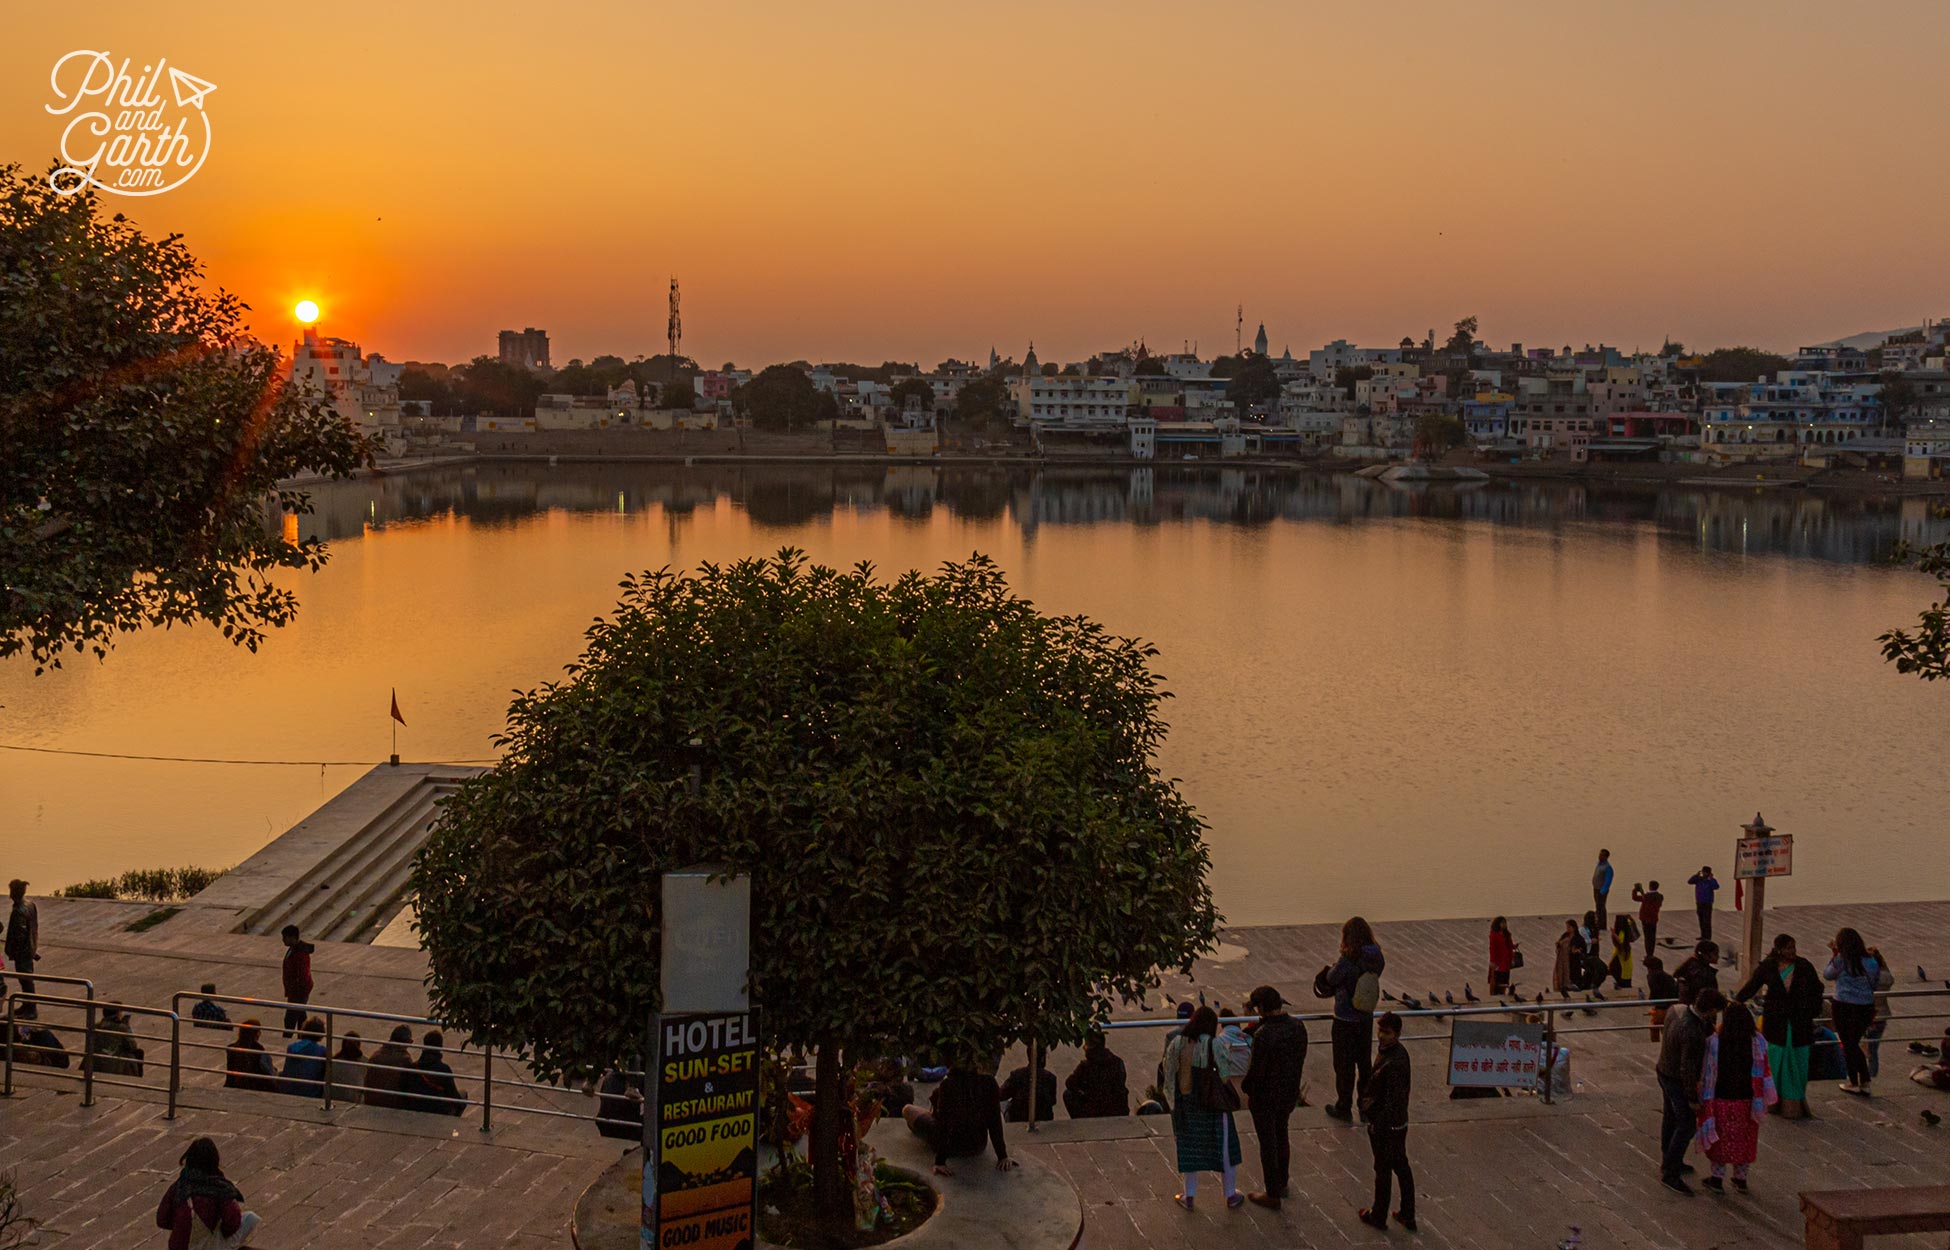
(832, 1193)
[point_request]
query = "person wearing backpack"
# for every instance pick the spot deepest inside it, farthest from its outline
(1354, 983)
(1207, 1093)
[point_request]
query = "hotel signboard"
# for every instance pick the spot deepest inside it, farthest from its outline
(700, 1165)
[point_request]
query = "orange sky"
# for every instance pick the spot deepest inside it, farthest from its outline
(877, 180)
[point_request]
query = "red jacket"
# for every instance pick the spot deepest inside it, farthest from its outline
(176, 1216)
(297, 973)
(1500, 950)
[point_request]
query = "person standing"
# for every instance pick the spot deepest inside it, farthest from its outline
(1790, 991)
(1503, 956)
(1567, 973)
(1649, 901)
(1682, 1051)
(1855, 973)
(1206, 1137)
(1698, 971)
(201, 1207)
(1272, 1089)
(1384, 1105)
(1735, 1092)
(23, 944)
(1354, 982)
(1704, 888)
(1622, 937)
(1601, 886)
(297, 976)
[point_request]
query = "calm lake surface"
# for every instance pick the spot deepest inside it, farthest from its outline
(1409, 703)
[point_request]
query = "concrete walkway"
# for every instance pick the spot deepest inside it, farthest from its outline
(1509, 1172)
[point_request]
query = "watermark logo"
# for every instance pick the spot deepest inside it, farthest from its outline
(124, 135)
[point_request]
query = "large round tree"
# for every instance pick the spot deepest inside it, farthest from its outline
(946, 801)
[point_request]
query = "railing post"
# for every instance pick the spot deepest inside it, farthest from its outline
(8, 1090)
(1550, 1050)
(330, 1020)
(175, 1061)
(88, 1055)
(487, 1090)
(1033, 1083)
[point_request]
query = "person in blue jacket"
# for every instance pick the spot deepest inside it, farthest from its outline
(1601, 888)
(1704, 888)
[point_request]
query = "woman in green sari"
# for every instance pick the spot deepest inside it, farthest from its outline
(1791, 995)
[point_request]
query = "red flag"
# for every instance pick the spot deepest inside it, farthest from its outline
(396, 715)
(1739, 886)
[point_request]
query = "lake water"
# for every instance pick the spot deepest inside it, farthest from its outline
(1436, 702)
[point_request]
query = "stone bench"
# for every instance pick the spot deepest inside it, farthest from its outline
(1838, 1219)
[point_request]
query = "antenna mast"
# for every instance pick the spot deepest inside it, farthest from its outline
(1239, 333)
(676, 328)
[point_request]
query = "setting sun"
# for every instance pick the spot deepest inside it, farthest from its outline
(306, 311)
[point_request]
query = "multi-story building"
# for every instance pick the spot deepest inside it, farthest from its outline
(364, 389)
(1552, 414)
(527, 348)
(1831, 358)
(1076, 402)
(1800, 407)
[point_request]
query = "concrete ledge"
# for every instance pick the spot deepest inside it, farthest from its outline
(1030, 1208)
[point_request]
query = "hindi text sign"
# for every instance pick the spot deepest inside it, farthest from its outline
(1756, 858)
(1495, 1053)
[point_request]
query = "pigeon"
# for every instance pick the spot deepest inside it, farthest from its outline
(1931, 1118)
(1540, 997)
(1449, 998)
(1201, 998)
(1600, 995)
(1565, 995)
(1574, 1241)
(1170, 999)
(1388, 998)
(1411, 1004)
(1434, 997)
(1920, 974)
(1589, 1011)
(1469, 995)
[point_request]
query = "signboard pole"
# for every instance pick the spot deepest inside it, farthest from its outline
(1758, 856)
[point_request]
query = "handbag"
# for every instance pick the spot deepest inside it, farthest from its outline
(1210, 1090)
(1516, 960)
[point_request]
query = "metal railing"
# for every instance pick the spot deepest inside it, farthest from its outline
(92, 1057)
(37, 977)
(329, 1088)
(1552, 1032)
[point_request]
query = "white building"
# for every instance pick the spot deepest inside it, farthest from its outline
(364, 389)
(1076, 402)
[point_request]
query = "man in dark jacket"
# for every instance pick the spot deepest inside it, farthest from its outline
(1015, 1091)
(1098, 1086)
(1272, 1088)
(966, 1114)
(1384, 1104)
(1699, 971)
(432, 1085)
(1352, 1033)
(297, 976)
(1681, 1052)
(23, 942)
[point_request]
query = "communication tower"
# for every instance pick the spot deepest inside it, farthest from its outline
(676, 328)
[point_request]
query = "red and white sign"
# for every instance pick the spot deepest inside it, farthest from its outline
(1764, 857)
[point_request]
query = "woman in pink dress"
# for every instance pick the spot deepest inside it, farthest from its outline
(1735, 1088)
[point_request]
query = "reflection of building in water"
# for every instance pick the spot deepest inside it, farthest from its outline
(1796, 524)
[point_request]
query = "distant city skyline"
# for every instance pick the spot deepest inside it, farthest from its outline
(854, 182)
